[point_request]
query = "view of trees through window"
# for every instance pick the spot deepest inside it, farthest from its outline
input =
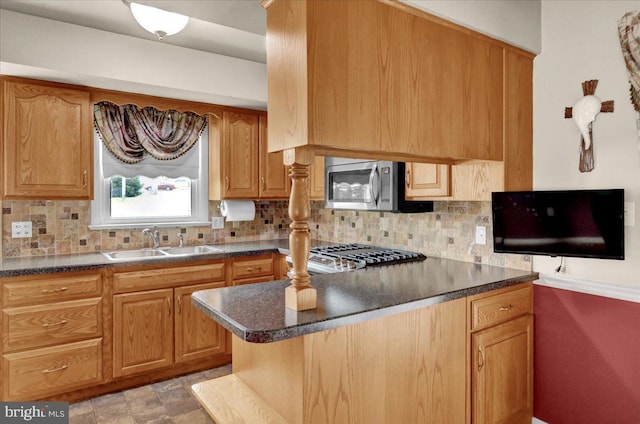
(144, 197)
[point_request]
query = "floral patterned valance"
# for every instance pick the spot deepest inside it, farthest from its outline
(131, 133)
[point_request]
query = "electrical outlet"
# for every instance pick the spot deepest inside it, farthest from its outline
(217, 222)
(629, 214)
(21, 229)
(481, 234)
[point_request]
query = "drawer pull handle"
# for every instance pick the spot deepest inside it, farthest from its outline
(169, 306)
(179, 300)
(480, 358)
(84, 179)
(56, 369)
(54, 324)
(226, 183)
(506, 308)
(251, 269)
(61, 289)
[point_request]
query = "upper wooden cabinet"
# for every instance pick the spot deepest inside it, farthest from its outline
(316, 179)
(427, 180)
(475, 180)
(274, 176)
(240, 166)
(46, 144)
(381, 79)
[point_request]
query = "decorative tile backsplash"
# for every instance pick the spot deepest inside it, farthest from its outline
(448, 232)
(62, 227)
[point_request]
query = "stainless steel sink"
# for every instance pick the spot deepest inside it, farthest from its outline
(122, 255)
(134, 254)
(190, 250)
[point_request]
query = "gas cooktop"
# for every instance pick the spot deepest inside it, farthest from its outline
(349, 257)
(371, 255)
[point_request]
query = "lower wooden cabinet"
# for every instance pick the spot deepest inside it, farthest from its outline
(52, 334)
(502, 356)
(142, 331)
(39, 373)
(502, 382)
(196, 335)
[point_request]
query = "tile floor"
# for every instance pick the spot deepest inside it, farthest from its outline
(165, 402)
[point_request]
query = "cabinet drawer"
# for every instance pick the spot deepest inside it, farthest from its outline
(492, 310)
(31, 290)
(167, 277)
(36, 326)
(252, 268)
(35, 374)
(252, 280)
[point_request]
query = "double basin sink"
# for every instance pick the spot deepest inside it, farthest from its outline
(160, 252)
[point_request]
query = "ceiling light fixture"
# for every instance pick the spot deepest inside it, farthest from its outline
(157, 21)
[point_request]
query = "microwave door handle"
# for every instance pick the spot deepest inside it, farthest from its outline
(373, 183)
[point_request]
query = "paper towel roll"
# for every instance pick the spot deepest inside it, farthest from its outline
(238, 210)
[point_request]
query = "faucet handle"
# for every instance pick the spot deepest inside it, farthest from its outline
(181, 239)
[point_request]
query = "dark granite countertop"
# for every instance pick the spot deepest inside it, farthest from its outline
(256, 313)
(11, 267)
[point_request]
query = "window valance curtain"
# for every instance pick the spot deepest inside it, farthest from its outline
(131, 133)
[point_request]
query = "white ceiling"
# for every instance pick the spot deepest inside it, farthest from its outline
(234, 28)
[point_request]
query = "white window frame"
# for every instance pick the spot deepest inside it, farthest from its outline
(100, 207)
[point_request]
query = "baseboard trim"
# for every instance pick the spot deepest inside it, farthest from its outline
(630, 294)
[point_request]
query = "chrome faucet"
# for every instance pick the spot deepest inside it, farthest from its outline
(155, 236)
(181, 239)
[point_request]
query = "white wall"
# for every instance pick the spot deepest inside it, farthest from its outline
(48, 49)
(580, 42)
(515, 21)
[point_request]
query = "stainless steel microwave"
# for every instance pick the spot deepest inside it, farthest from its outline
(360, 184)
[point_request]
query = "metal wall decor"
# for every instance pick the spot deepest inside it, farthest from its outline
(584, 112)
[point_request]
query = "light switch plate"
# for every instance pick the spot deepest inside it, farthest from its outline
(481, 234)
(217, 222)
(21, 229)
(629, 214)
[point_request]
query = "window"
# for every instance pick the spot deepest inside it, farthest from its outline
(156, 192)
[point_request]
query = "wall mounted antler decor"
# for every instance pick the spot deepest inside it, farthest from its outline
(584, 113)
(629, 32)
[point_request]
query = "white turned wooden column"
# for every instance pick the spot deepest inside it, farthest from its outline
(299, 295)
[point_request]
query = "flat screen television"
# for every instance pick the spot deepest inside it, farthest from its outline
(577, 223)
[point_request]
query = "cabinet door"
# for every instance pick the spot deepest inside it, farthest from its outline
(502, 373)
(197, 335)
(427, 180)
(316, 179)
(240, 154)
(47, 144)
(518, 123)
(142, 331)
(274, 177)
